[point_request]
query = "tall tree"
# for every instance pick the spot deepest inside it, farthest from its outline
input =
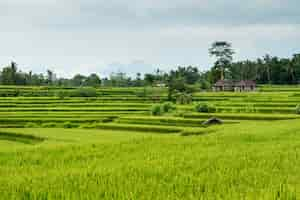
(223, 51)
(50, 77)
(296, 66)
(267, 66)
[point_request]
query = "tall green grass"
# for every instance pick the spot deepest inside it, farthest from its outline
(253, 160)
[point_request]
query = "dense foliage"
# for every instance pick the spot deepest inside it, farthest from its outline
(160, 109)
(266, 70)
(205, 108)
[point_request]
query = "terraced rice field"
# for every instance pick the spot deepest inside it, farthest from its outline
(110, 147)
(123, 106)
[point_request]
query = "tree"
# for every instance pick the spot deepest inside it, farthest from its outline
(37, 79)
(50, 77)
(78, 80)
(296, 66)
(14, 69)
(149, 79)
(177, 83)
(92, 80)
(28, 78)
(119, 79)
(138, 80)
(189, 74)
(223, 51)
(267, 67)
(9, 74)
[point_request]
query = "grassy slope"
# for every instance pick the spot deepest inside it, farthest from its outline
(251, 160)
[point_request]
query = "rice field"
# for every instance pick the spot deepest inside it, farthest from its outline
(111, 147)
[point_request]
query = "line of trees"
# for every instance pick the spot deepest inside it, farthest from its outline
(265, 70)
(268, 70)
(10, 75)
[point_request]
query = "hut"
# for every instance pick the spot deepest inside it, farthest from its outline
(245, 86)
(223, 85)
(228, 85)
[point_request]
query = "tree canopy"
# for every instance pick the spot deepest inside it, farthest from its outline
(223, 51)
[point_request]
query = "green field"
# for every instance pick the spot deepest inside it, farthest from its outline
(110, 147)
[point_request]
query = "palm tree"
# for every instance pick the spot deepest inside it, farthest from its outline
(267, 67)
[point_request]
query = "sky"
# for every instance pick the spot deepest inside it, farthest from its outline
(97, 36)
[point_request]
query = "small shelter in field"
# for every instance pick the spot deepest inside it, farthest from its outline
(223, 85)
(229, 86)
(245, 86)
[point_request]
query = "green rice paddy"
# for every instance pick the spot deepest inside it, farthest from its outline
(110, 147)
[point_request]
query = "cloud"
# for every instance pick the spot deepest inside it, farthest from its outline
(72, 36)
(144, 14)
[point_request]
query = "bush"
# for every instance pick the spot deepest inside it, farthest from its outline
(201, 107)
(157, 110)
(69, 125)
(49, 125)
(62, 94)
(160, 109)
(183, 98)
(205, 108)
(298, 109)
(167, 107)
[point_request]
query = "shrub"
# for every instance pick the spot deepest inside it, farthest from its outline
(183, 98)
(205, 108)
(167, 107)
(201, 107)
(160, 109)
(61, 94)
(212, 109)
(69, 125)
(49, 125)
(156, 110)
(298, 109)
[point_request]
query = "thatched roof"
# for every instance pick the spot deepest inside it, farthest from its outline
(229, 83)
(222, 83)
(246, 83)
